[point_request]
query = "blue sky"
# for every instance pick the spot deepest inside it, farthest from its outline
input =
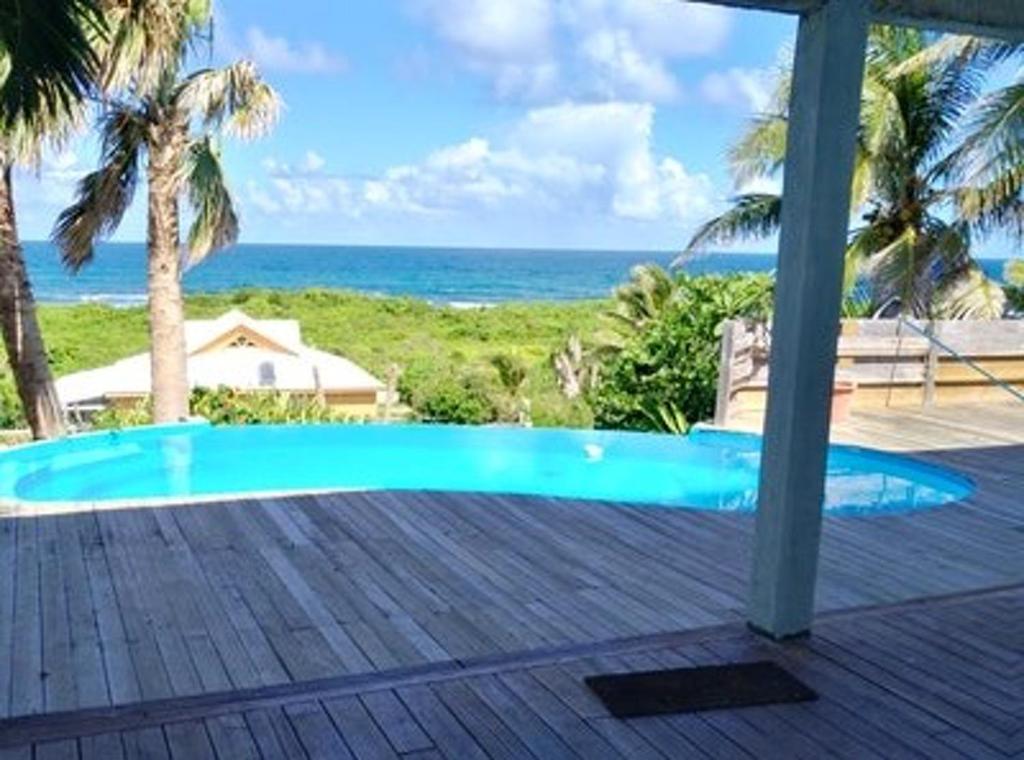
(562, 123)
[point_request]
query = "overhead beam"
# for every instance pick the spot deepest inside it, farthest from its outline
(985, 18)
(828, 71)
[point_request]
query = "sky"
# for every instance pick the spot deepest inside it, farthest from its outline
(499, 123)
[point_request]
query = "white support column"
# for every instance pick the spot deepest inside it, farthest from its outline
(823, 117)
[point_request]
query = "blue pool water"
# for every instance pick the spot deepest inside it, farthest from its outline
(704, 470)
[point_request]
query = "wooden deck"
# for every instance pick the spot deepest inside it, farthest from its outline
(938, 679)
(122, 607)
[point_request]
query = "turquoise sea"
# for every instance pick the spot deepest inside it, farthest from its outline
(442, 275)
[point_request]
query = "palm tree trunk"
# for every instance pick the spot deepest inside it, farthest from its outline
(168, 361)
(23, 339)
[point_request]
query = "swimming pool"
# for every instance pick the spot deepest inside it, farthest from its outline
(705, 469)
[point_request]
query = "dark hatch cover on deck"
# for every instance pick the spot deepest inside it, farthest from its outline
(631, 695)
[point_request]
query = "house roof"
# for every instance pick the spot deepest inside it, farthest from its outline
(233, 350)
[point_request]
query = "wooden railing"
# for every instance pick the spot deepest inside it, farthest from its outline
(891, 363)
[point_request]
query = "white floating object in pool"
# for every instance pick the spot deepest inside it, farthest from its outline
(594, 451)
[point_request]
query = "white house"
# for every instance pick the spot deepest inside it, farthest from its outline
(239, 352)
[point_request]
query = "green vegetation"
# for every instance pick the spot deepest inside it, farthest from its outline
(663, 374)
(637, 362)
(226, 406)
(446, 356)
(1013, 274)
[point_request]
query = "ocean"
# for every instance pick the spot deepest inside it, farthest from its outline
(459, 276)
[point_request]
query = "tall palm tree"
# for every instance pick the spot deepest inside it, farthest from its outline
(53, 55)
(47, 66)
(914, 243)
(174, 124)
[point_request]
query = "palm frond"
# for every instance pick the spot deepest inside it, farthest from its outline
(216, 224)
(642, 299)
(895, 272)
(234, 98)
(47, 61)
(752, 216)
(1013, 272)
(963, 49)
(864, 243)
(970, 295)
(104, 195)
(996, 140)
(760, 151)
(148, 39)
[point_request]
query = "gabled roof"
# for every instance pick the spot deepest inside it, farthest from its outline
(202, 334)
(272, 357)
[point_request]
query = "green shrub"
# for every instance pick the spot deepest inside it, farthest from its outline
(664, 377)
(115, 418)
(461, 399)
(226, 406)
(11, 414)
(1013, 274)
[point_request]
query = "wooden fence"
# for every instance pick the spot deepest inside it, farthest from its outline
(889, 363)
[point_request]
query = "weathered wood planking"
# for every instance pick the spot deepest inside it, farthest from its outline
(885, 691)
(891, 364)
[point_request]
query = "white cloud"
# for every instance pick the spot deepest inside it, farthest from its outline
(54, 180)
(509, 41)
(749, 89)
(498, 30)
(550, 49)
(619, 66)
(313, 161)
(569, 161)
(275, 53)
(660, 28)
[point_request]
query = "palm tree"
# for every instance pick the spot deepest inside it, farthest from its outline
(47, 65)
(989, 160)
(914, 245)
(641, 299)
(173, 123)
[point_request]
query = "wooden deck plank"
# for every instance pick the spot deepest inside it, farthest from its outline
(318, 736)
(365, 740)
(542, 740)
(273, 734)
(231, 737)
(27, 650)
(443, 728)
(145, 744)
(518, 710)
(132, 602)
(394, 719)
(101, 747)
(496, 739)
(188, 740)
(58, 666)
(8, 592)
(90, 676)
(122, 679)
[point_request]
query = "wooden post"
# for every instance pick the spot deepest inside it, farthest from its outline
(725, 374)
(824, 112)
(931, 367)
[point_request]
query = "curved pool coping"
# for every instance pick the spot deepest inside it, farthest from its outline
(52, 507)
